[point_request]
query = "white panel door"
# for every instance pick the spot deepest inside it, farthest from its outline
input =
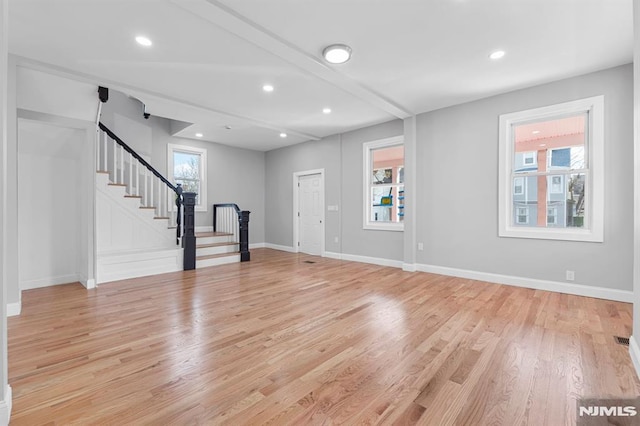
(310, 208)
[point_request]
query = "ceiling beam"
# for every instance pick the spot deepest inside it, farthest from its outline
(233, 22)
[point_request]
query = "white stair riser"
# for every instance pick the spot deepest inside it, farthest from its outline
(213, 240)
(205, 251)
(217, 261)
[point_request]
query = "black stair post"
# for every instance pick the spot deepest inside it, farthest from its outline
(244, 236)
(189, 237)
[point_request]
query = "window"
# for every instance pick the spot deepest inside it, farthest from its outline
(552, 216)
(522, 215)
(518, 186)
(529, 158)
(188, 167)
(384, 184)
(555, 156)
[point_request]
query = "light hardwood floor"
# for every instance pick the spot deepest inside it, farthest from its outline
(281, 341)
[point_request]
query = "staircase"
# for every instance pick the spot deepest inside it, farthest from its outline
(142, 227)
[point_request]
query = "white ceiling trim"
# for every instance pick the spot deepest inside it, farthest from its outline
(228, 19)
(148, 96)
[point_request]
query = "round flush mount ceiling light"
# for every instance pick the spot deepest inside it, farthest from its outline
(497, 54)
(267, 88)
(337, 53)
(326, 110)
(283, 135)
(199, 135)
(143, 41)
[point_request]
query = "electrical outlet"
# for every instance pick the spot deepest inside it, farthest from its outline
(571, 275)
(420, 246)
(335, 239)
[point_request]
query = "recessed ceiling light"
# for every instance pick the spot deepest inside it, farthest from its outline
(497, 54)
(199, 135)
(144, 41)
(535, 132)
(326, 110)
(267, 88)
(283, 135)
(337, 53)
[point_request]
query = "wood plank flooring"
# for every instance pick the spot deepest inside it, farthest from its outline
(280, 341)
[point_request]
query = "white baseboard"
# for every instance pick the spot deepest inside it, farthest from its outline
(279, 247)
(257, 245)
(634, 352)
(5, 406)
(49, 281)
(14, 309)
(409, 267)
(364, 259)
(555, 286)
(88, 283)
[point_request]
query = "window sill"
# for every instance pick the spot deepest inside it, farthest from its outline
(562, 234)
(396, 227)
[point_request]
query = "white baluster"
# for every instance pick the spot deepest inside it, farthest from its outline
(146, 187)
(137, 178)
(115, 163)
(159, 205)
(121, 164)
(151, 191)
(130, 173)
(104, 152)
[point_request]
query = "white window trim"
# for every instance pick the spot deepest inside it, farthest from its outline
(367, 148)
(202, 198)
(594, 216)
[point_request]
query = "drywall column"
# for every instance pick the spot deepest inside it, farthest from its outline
(5, 390)
(634, 349)
(11, 232)
(410, 154)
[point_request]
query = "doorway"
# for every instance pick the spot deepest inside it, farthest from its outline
(309, 212)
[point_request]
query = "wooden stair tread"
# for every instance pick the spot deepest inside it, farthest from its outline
(132, 196)
(214, 256)
(216, 245)
(116, 184)
(146, 208)
(104, 172)
(212, 234)
(161, 217)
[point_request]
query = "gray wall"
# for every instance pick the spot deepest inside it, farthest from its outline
(341, 158)
(234, 175)
(636, 122)
(457, 182)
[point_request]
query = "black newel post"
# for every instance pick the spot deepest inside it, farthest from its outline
(244, 236)
(179, 212)
(189, 237)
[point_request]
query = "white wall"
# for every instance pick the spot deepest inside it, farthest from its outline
(51, 205)
(457, 182)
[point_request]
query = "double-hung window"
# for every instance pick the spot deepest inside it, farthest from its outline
(188, 167)
(551, 172)
(384, 184)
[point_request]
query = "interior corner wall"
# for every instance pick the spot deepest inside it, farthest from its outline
(457, 177)
(635, 356)
(13, 282)
(341, 158)
(235, 175)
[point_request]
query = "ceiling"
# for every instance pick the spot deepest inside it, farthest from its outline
(210, 58)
